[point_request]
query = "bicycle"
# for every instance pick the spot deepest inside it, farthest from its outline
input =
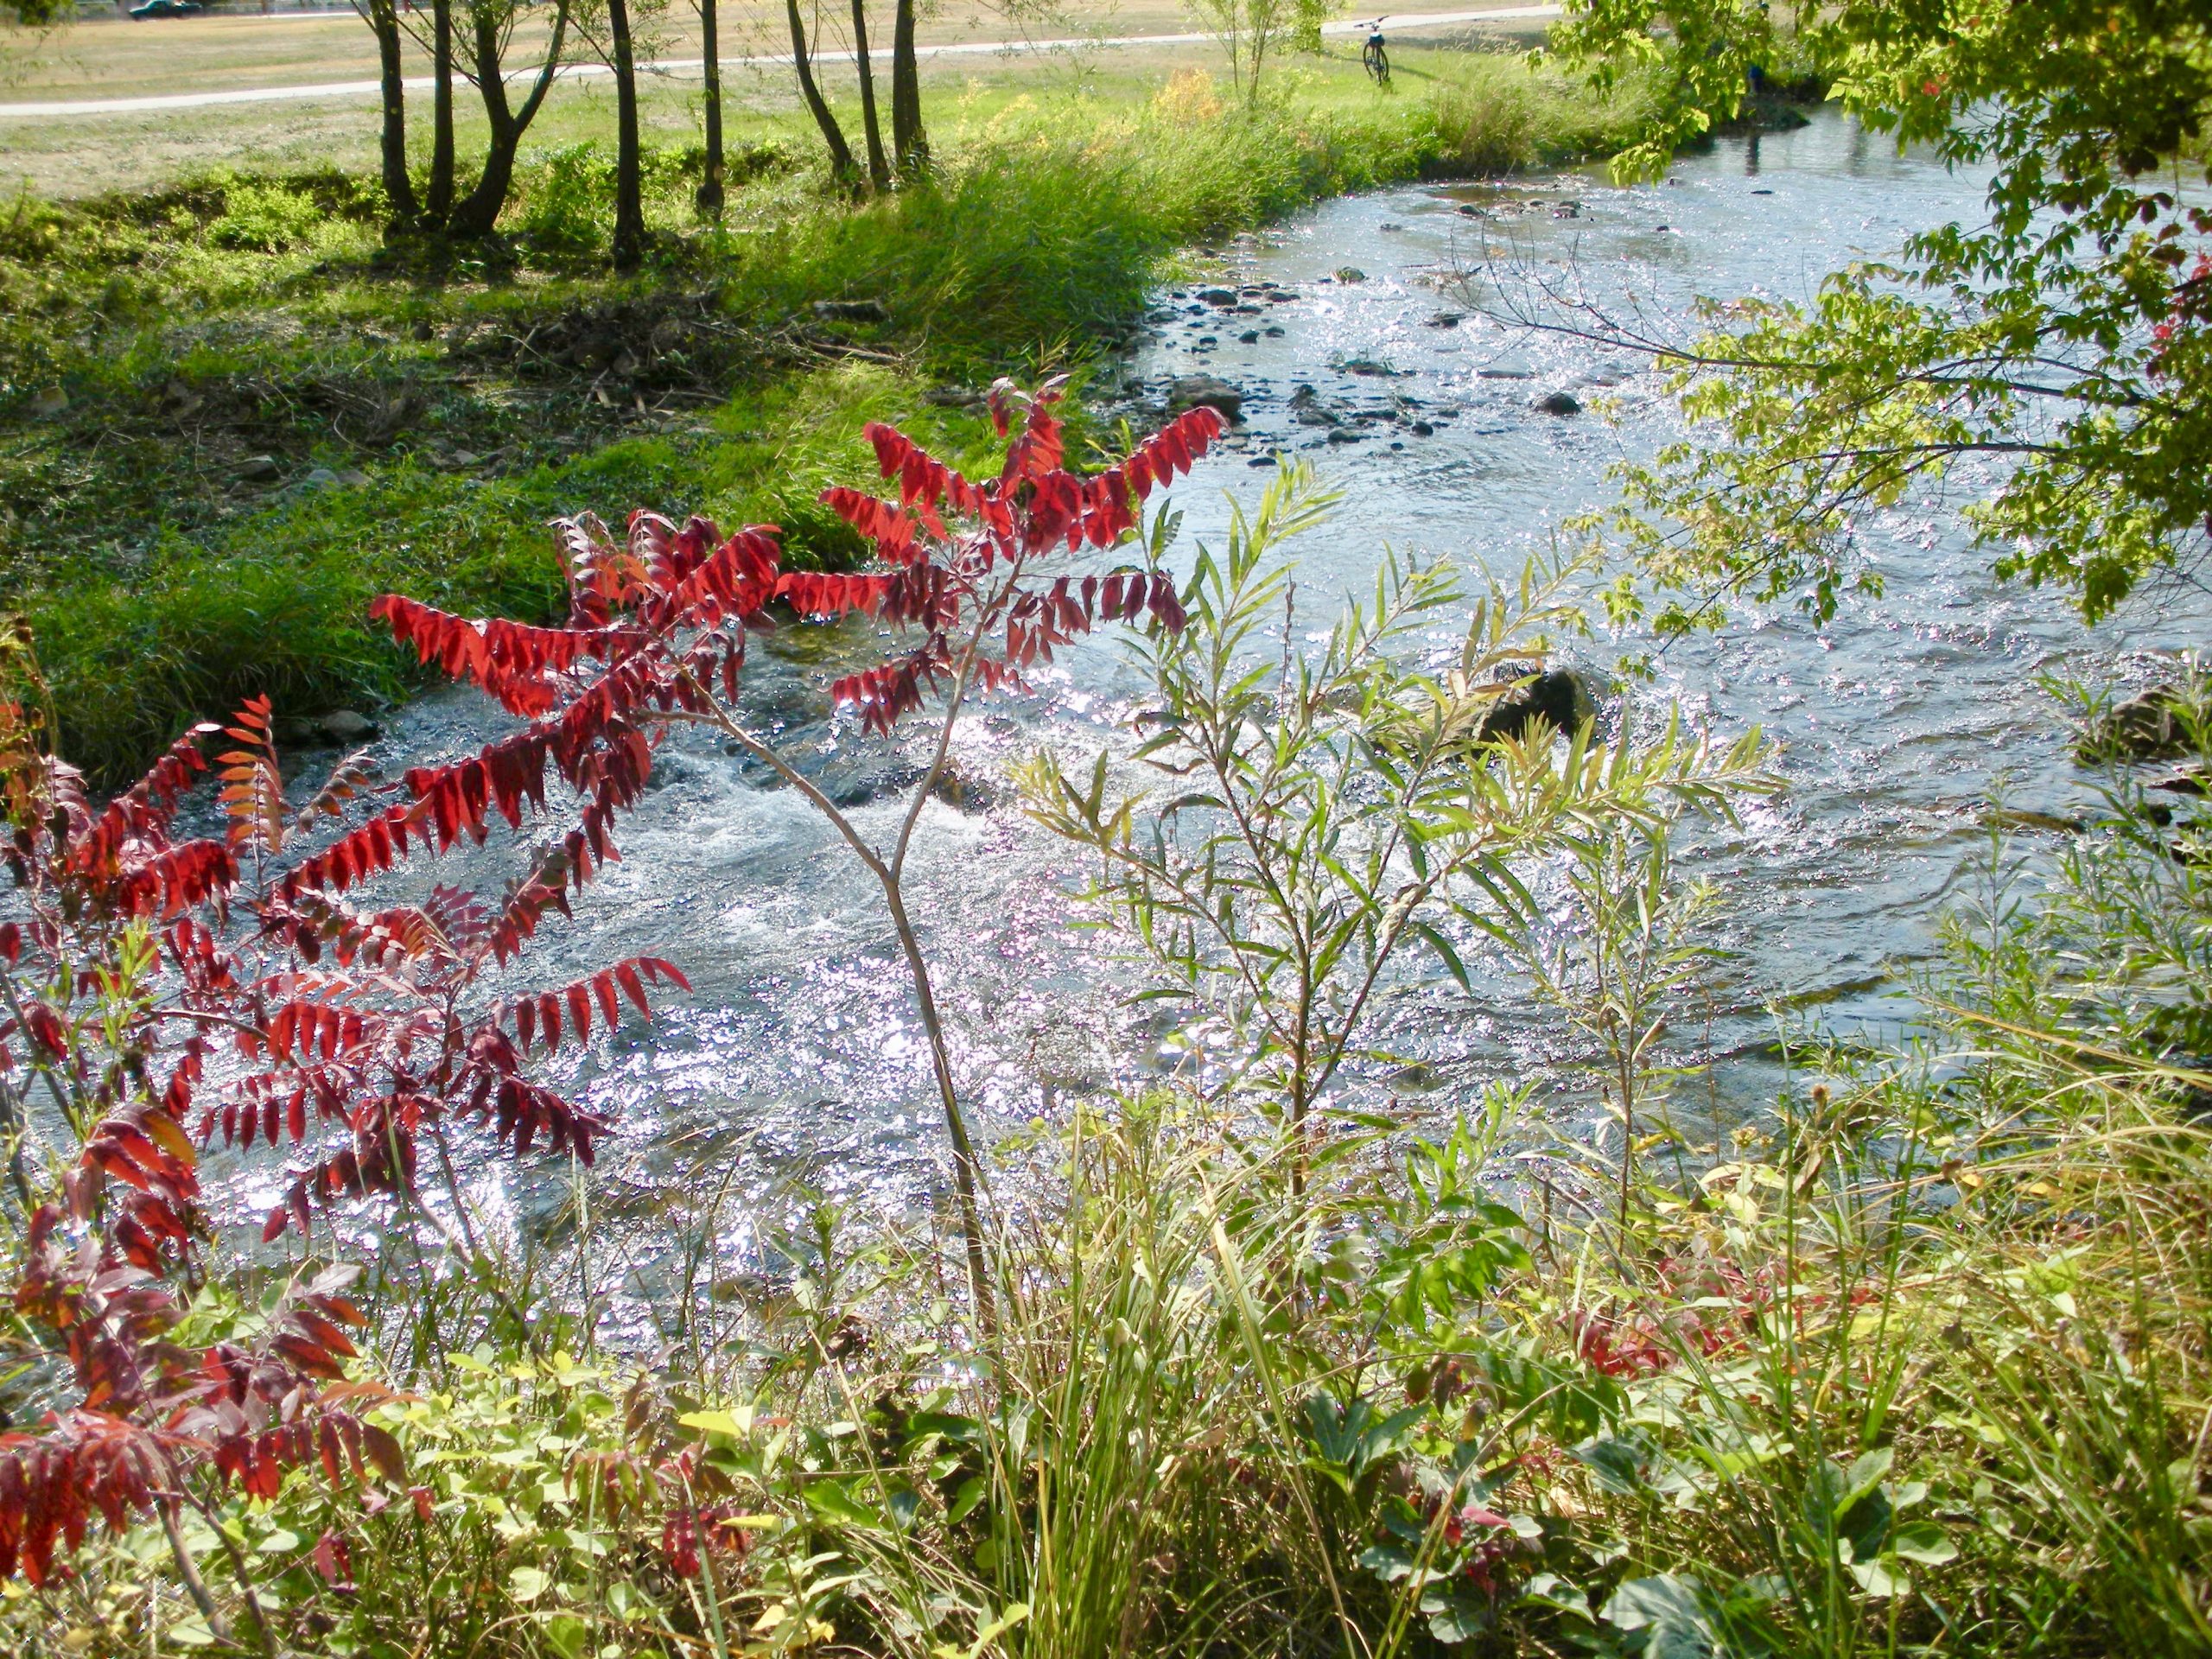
(1375, 60)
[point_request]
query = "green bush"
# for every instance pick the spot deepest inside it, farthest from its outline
(265, 217)
(565, 202)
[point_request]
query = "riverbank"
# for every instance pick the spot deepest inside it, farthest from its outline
(233, 417)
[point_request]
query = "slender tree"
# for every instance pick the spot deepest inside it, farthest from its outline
(438, 204)
(910, 145)
(629, 194)
(710, 183)
(841, 169)
(878, 169)
(491, 21)
(383, 17)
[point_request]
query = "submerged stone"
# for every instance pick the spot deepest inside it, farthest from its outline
(1206, 391)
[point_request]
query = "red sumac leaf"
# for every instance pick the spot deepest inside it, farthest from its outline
(334, 1559)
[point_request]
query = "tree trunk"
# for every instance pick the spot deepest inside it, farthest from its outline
(878, 170)
(710, 185)
(629, 198)
(440, 202)
(840, 154)
(480, 213)
(398, 188)
(909, 144)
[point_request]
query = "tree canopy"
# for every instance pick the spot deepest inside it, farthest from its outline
(2068, 335)
(34, 14)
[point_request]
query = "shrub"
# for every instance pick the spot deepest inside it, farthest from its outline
(566, 203)
(265, 217)
(161, 988)
(1188, 99)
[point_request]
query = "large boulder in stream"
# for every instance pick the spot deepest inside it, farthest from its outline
(1204, 391)
(1559, 697)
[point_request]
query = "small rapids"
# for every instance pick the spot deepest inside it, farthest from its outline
(797, 1066)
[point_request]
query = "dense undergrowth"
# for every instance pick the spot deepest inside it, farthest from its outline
(230, 415)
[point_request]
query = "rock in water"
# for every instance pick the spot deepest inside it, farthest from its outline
(963, 793)
(343, 726)
(2013, 817)
(2150, 726)
(1204, 391)
(1559, 402)
(1556, 695)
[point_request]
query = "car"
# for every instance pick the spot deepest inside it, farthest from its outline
(167, 9)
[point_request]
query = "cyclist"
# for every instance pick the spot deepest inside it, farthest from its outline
(1377, 60)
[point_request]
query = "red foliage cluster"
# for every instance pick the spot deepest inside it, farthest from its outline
(158, 990)
(686, 1526)
(1483, 1546)
(958, 585)
(1704, 1307)
(163, 991)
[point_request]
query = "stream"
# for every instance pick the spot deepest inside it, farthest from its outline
(797, 1065)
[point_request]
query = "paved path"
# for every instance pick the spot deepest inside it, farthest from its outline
(1396, 22)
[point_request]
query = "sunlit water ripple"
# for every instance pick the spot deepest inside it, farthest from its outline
(798, 1063)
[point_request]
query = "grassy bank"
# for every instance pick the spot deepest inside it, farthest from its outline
(229, 416)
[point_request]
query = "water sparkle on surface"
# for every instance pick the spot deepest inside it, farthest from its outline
(797, 1060)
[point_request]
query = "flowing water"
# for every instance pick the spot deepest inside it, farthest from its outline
(797, 1060)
